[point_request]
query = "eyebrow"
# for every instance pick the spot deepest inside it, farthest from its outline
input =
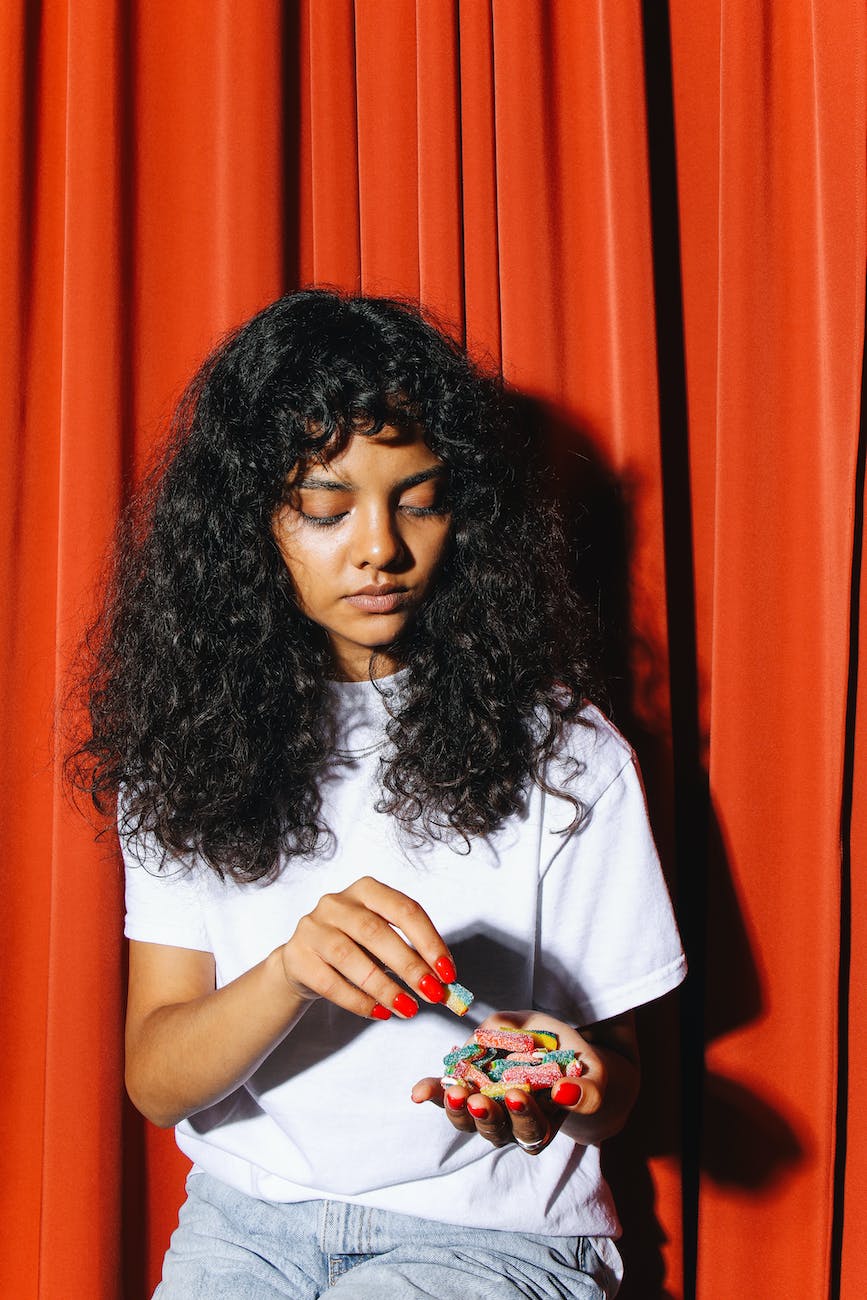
(333, 485)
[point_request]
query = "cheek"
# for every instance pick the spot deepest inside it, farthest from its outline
(301, 568)
(309, 555)
(436, 545)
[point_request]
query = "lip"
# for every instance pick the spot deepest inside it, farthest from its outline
(384, 598)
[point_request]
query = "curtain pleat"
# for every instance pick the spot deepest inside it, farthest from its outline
(851, 1171)
(481, 281)
(670, 271)
(387, 113)
(773, 255)
(329, 59)
(61, 1022)
(440, 237)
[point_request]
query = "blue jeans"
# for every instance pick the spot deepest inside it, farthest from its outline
(229, 1246)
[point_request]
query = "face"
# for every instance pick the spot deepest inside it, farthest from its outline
(362, 537)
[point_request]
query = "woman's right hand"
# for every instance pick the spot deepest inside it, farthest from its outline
(189, 1043)
(355, 945)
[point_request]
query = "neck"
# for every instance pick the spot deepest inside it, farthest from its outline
(362, 668)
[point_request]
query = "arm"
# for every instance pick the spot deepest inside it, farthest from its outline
(189, 1044)
(597, 1104)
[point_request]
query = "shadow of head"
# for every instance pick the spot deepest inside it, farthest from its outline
(747, 1143)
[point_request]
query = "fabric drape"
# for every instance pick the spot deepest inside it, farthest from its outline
(652, 218)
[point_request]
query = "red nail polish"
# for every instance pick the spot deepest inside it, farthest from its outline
(478, 1111)
(568, 1094)
(431, 988)
(445, 968)
(516, 1104)
(380, 1012)
(406, 1005)
(454, 1101)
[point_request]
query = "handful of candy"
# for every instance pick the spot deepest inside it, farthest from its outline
(499, 1059)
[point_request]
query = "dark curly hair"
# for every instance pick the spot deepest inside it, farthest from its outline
(205, 681)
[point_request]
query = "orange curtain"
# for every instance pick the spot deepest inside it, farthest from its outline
(653, 218)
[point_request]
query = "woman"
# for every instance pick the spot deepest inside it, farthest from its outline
(341, 696)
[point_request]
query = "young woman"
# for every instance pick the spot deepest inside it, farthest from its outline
(341, 699)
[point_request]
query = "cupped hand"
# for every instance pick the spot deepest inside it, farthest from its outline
(531, 1120)
(348, 950)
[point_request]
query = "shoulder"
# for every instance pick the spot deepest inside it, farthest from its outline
(591, 756)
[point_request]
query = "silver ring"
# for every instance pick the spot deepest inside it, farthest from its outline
(533, 1147)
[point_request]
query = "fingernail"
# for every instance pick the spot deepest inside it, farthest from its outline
(478, 1111)
(380, 1012)
(455, 1101)
(516, 1104)
(568, 1094)
(431, 988)
(445, 968)
(404, 1004)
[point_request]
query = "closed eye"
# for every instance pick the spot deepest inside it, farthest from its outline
(323, 521)
(440, 508)
(428, 498)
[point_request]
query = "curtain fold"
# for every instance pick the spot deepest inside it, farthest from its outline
(774, 332)
(670, 271)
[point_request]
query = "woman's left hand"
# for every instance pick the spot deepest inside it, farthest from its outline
(531, 1120)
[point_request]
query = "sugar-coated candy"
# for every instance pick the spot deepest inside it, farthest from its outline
(470, 1052)
(538, 1076)
(466, 1072)
(459, 999)
(503, 1058)
(499, 1090)
(545, 1038)
(505, 1040)
(563, 1056)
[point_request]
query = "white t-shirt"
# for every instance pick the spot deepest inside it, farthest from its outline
(579, 925)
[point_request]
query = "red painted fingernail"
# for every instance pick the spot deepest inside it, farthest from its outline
(431, 988)
(479, 1111)
(455, 1101)
(406, 1005)
(568, 1094)
(517, 1104)
(380, 1012)
(445, 968)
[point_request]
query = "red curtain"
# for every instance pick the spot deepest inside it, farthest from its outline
(653, 218)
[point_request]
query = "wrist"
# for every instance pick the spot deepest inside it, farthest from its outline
(294, 995)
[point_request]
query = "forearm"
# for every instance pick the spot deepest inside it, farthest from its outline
(187, 1055)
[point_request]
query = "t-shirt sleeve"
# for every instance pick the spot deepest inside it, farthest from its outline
(608, 939)
(163, 903)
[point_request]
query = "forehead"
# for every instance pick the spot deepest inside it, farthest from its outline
(392, 452)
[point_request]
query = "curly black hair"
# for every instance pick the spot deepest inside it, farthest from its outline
(205, 681)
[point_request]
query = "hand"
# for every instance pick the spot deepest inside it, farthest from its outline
(348, 949)
(529, 1119)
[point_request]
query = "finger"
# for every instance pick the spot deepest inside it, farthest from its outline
(530, 1125)
(328, 943)
(490, 1119)
(410, 918)
(582, 1098)
(428, 1089)
(455, 1102)
(372, 934)
(310, 973)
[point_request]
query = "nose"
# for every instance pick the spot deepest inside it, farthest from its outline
(376, 539)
